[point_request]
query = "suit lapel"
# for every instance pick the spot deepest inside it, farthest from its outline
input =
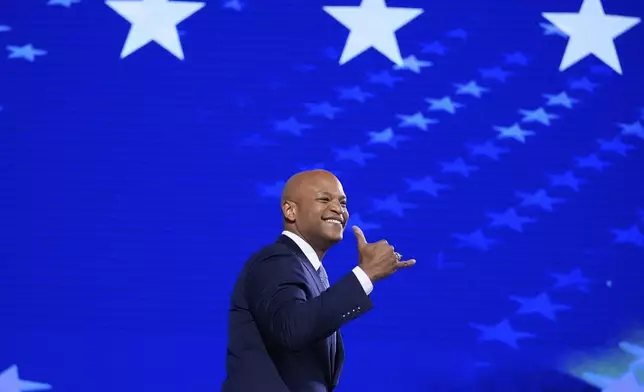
(284, 240)
(320, 288)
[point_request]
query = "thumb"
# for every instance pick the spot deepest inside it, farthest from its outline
(359, 236)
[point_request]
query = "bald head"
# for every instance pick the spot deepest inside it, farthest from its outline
(315, 207)
(301, 182)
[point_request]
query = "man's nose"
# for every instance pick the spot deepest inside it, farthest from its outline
(336, 207)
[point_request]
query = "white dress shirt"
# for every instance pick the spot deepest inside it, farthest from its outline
(310, 254)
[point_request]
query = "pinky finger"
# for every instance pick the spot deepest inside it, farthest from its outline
(405, 264)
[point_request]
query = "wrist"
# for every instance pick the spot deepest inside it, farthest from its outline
(369, 274)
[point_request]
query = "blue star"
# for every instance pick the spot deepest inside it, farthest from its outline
(235, 5)
(550, 29)
(502, 332)
(415, 120)
(631, 235)
(496, 73)
(427, 185)
(583, 84)
(305, 68)
(539, 199)
(64, 3)
(475, 240)
(386, 136)
(354, 94)
(517, 58)
(354, 154)
(256, 140)
(538, 115)
(458, 166)
(509, 218)
(615, 145)
(575, 278)
(513, 132)
(356, 220)
(272, 190)
(384, 78)
(471, 88)
(411, 63)
(487, 149)
(445, 104)
(566, 179)
(441, 264)
(540, 304)
(457, 33)
(4, 28)
(291, 125)
(435, 48)
(27, 52)
(561, 99)
(393, 205)
(591, 161)
(635, 129)
(324, 109)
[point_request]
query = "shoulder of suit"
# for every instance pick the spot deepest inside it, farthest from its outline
(273, 251)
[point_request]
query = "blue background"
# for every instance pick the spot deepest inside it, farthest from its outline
(134, 190)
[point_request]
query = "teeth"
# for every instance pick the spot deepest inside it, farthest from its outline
(334, 221)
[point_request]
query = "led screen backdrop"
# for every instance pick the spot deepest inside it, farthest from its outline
(138, 177)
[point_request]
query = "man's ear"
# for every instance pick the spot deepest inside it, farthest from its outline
(288, 211)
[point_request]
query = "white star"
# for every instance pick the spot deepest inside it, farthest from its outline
(591, 31)
(627, 382)
(154, 20)
(10, 382)
(635, 350)
(372, 25)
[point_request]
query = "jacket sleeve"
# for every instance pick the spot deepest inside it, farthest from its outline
(275, 289)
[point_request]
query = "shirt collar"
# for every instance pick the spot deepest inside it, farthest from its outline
(306, 249)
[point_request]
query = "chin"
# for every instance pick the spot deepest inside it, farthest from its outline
(334, 235)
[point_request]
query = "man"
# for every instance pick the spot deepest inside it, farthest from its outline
(284, 318)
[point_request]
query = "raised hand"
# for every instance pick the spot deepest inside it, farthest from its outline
(378, 260)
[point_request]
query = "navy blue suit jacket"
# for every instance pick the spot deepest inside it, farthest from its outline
(280, 321)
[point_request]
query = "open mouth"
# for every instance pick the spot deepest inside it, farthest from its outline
(334, 221)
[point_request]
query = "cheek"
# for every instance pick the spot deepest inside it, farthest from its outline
(315, 218)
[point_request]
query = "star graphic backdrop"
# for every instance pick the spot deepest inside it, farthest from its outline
(144, 147)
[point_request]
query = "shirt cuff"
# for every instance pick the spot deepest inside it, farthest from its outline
(364, 280)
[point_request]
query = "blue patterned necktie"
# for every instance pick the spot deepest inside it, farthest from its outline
(323, 277)
(333, 340)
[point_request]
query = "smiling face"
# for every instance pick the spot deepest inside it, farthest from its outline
(316, 208)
